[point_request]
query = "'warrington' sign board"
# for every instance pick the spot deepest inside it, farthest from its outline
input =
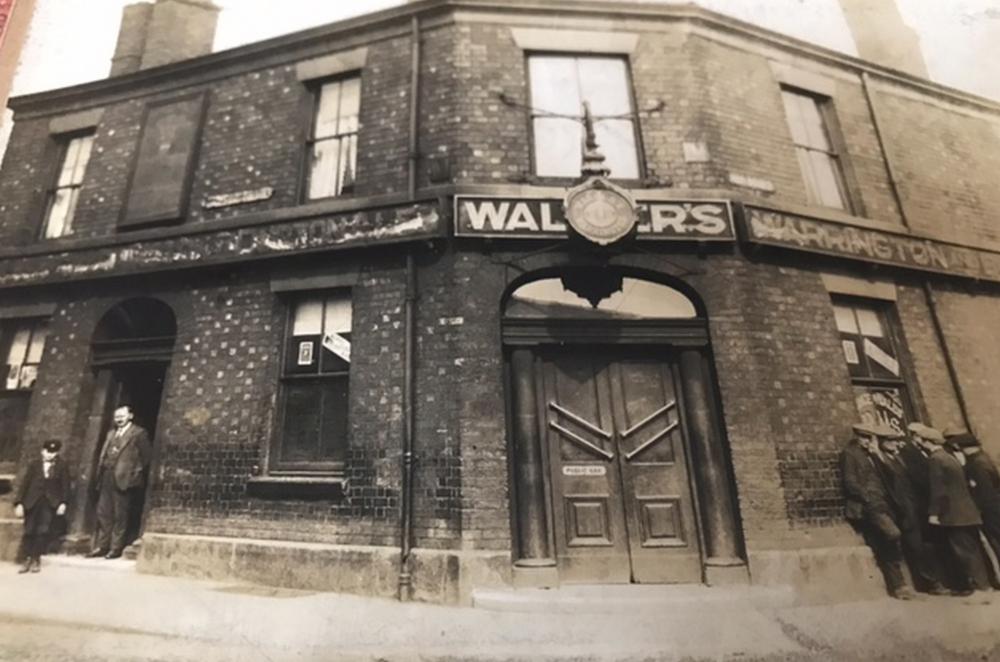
(766, 226)
(542, 218)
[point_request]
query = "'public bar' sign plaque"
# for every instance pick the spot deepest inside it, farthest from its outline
(543, 218)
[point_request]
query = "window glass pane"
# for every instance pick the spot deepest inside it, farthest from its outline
(616, 140)
(37, 344)
(82, 157)
(348, 161)
(327, 111)
(827, 180)
(63, 200)
(350, 102)
(308, 318)
(870, 323)
(812, 120)
(14, 414)
(604, 85)
(793, 113)
(881, 405)
(558, 147)
(338, 315)
(637, 299)
(69, 162)
(333, 429)
(323, 174)
(808, 178)
(845, 319)
(19, 346)
(300, 432)
(554, 85)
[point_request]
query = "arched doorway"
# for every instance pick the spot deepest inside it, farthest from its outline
(621, 473)
(131, 349)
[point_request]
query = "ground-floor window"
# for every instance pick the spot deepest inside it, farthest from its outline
(313, 429)
(21, 344)
(871, 347)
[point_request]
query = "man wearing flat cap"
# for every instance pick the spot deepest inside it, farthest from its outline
(952, 509)
(909, 507)
(40, 498)
(984, 484)
(868, 505)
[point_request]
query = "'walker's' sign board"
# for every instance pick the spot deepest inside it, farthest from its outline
(543, 218)
(766, 226)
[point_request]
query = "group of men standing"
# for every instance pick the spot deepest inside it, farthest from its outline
(924, 499)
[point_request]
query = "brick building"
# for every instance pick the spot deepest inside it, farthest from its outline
(334, 275)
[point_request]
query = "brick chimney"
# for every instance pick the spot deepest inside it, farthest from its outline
(164, 31)
(882, 37)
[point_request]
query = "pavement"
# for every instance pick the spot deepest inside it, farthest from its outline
(96, 610)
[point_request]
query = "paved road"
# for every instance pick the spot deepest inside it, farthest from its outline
(87, 613)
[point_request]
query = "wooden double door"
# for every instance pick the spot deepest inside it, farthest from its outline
(620, 488)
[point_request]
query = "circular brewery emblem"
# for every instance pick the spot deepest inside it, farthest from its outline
(600, 212)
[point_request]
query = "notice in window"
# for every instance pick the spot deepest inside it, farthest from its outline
(881, 405)
(881, 357)
(850, 352)
(339, 345)
(305, 352)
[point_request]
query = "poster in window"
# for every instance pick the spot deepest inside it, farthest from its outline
(161, 176)
(13, 372)
(850, 352)
(877, 404)
(305, 352)
(29, 374)
(881, 358)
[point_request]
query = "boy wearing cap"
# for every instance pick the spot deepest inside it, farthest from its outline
(868, 505)
(40, 497)
(951, 507)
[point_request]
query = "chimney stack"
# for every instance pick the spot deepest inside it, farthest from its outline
(162, 32)
(882, 37)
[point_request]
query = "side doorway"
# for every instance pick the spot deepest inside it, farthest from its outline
(131, 353)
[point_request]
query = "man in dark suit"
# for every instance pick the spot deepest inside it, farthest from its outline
(984, 484)
(952, 509)
(40, 497)
(909, 509)
(121, 472)
(868, 505)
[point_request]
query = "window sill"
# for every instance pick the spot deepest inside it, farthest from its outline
(297, 487)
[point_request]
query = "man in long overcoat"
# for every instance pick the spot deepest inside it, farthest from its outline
(120, 474)
(909, 508)
(984, 484)
(868, 506)
(951, 507)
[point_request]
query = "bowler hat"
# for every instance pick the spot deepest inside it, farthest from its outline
(52, 445)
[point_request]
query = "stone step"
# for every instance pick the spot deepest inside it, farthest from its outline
(67, 561)
(606, 598)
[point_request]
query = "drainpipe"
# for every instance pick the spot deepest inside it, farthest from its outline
(925, 283)
(406, 491)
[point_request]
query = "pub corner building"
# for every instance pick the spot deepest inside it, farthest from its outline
(473, 294)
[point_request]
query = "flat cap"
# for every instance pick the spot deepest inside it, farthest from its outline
(926, 431)
(877, 429)
(52, 445)
(964, 440)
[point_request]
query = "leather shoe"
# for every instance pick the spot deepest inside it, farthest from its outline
(37, 565)
(25, 567)
(113, 554)
(95, 553)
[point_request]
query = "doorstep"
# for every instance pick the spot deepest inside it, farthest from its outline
(606, 598)
(66, 561)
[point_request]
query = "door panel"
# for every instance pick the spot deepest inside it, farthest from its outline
(621, 495)
(655, 482)
(591, 541)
